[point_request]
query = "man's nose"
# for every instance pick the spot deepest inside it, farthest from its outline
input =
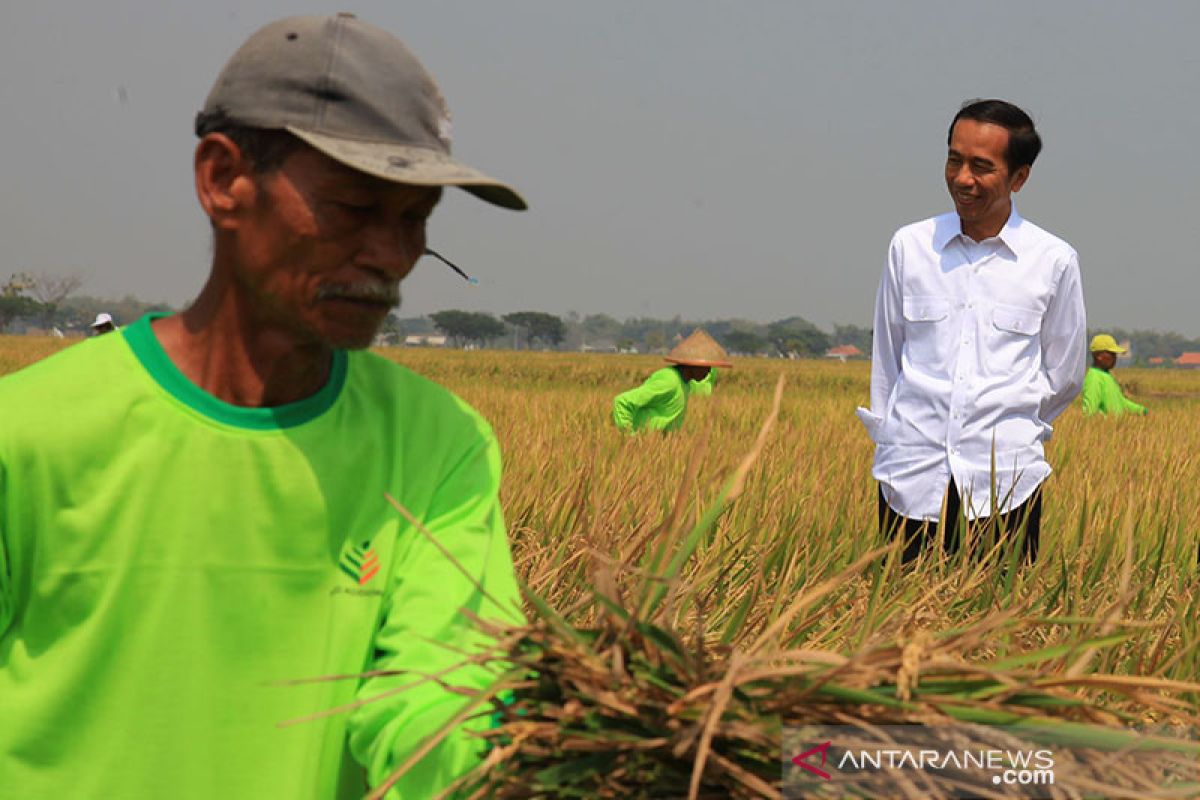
(392, 247)
(962, 176)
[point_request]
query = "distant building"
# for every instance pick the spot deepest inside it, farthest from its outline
(1189, 360)
(1128, 354)
(425, 340)
(1157, 361)
(843, 352)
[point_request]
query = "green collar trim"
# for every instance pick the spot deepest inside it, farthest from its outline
(145, 345)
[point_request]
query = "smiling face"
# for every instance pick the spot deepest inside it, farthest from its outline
(978, 178)
(320, 249)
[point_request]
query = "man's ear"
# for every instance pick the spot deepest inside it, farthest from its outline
(1019, 178)
(225, 181)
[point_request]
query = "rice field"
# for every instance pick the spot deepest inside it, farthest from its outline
(644, 546)
(570, 477)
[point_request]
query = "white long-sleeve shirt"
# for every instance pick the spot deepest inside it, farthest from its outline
(978, 346)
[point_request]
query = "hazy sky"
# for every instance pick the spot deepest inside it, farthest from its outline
(708, 159)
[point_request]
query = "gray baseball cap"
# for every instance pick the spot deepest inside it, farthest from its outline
(354, 92)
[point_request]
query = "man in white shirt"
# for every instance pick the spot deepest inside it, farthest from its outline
(979, 344)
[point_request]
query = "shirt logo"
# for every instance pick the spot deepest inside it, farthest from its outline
(359, 562)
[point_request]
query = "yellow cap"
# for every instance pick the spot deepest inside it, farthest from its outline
(1105, 343)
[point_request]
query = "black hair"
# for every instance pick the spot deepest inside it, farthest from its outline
(1024, 144)
(265, 148)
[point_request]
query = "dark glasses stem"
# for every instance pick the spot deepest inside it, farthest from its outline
(429, 251)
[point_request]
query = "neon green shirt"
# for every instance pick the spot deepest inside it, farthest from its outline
(658, 404)
(703, 388)
(1102, 395)
(167, 560)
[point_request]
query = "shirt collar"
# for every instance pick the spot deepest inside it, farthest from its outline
(949, 228)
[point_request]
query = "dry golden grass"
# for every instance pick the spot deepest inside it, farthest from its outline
(19, 351)
(570, 474)
(1106, 618)
(1110, 604)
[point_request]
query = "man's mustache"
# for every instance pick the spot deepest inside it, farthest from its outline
(367, 291)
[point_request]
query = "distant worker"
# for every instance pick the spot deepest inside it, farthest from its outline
(103, 324)
(659, 404)
(703, 388)
(1101, 393)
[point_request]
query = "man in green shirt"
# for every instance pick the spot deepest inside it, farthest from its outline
(660, 402)
(214, 522)
(1101, 394)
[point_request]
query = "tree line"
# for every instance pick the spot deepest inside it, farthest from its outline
(44, 302)
(38, 297)
(47, 302)
(789, 336)
(528, 328)
(1152, 344)
(536, 329)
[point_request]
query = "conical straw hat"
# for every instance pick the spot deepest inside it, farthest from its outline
(699, 350)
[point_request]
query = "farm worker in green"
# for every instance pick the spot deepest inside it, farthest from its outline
(1101, 394)
(214, 521)
(703, 388)
(659, 404)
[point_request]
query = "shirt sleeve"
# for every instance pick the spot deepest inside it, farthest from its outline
(654, 391)
(1092, 395)
(7, 601)
(423, 633)
(1130, 406)
(887, 340)
(1064, 345)
(6, 598)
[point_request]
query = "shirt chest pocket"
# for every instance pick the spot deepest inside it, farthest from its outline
(1017, 320)
(926, 339)
(1015, 342)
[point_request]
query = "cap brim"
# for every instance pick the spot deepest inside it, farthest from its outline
(419, 166)
(696, 362)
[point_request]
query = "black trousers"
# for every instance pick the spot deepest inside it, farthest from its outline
(920, 534)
